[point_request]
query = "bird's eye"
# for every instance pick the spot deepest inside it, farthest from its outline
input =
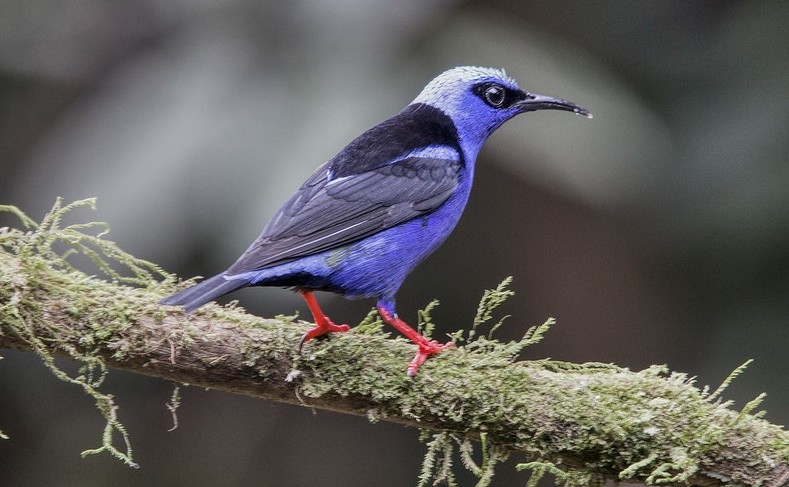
(494, 95)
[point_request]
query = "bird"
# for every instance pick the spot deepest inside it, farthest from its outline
(369, 215)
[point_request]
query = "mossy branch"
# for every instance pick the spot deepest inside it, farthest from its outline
(580, 422)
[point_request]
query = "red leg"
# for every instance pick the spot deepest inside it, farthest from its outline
(323, 324)
(426, 347)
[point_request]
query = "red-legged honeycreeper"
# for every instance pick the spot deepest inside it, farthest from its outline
(367, 217)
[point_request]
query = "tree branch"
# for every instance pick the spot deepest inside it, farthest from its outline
(647, 426)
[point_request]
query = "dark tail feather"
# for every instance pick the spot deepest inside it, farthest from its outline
(195, 296)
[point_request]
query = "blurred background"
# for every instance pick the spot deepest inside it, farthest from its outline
(658, 232)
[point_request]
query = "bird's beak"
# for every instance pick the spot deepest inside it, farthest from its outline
(539, 102)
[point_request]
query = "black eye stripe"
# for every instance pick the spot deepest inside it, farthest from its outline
(511, 96)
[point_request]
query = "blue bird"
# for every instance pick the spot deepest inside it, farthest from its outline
(367, 217)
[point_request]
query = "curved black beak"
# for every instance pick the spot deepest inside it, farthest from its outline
(534, 102)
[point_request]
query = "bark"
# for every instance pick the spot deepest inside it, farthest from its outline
(605, 421)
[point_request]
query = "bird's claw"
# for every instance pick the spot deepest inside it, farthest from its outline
(321, 329)
(426, 349)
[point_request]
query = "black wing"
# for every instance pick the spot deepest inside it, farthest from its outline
(327, 212)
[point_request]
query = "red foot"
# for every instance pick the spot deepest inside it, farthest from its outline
(323, 324)
(425, 351)
(321, 330)
(426, 347)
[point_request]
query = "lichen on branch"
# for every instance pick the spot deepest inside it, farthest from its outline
(581, 423)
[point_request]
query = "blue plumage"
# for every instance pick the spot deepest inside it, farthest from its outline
(367, 217)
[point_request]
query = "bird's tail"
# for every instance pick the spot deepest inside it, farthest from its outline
(195, 296)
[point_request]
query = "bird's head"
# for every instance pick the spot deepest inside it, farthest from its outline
(480, 100)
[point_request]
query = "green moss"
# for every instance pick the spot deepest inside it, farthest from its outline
(45, 253)
(577, 422)
(607, 414)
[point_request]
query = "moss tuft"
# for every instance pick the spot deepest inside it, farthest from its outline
(46, 252)
(577, 422)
